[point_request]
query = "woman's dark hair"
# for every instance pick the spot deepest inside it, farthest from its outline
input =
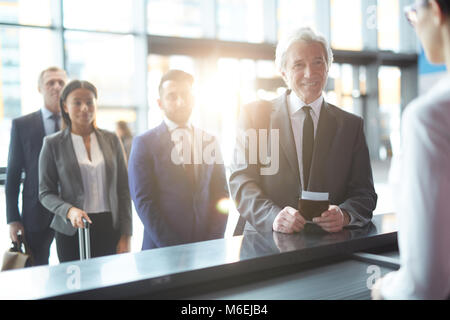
(445, 6)
(72, 86)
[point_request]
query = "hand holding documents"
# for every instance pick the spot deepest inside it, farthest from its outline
(312, 204)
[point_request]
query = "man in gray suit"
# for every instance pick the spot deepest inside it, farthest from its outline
(314, 146)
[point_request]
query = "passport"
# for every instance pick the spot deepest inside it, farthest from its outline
(312, 204)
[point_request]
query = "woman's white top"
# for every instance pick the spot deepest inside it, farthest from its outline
(93, 174)
(423, 209)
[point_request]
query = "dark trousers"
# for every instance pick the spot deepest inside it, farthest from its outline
(104, 239)
(39, 244)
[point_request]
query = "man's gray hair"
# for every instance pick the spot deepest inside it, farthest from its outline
(305, 34)
(49, 69)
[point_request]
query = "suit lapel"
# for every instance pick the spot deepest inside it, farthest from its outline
(282, 121)
(165, 144)
(40, 131)
(107, 155)
(70, 158)
(326, 131)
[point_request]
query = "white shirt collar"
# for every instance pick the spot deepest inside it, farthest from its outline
(172, 125)
(296, 104)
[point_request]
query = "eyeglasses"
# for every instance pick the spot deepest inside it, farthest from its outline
(411, 11)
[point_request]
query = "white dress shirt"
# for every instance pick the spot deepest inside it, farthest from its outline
(93, 175)
(423, 211)
(297, 115)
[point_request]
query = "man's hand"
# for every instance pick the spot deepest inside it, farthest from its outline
(288, 220)
(376, 290)
(14, 229)
(123, 246)
(76, 216)
(332, 220)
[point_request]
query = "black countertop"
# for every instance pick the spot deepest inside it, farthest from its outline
(146, 273)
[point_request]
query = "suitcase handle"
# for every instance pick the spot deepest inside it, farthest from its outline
(84, 241)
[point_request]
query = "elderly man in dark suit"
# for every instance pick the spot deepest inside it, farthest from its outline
(27, 134)
(314, 146)
(176, 183)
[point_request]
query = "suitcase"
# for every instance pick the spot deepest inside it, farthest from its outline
(84, 241)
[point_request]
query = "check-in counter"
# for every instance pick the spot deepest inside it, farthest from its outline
(311, 264)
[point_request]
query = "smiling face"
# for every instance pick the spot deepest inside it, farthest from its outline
(81, 106)
(306, 70)
(176, 101)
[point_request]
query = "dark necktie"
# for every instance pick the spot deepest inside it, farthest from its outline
(189, 167)
(307, 145)
(55, 118)
(190, 170)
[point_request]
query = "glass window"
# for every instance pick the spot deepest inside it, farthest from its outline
(346, 33)
(182, 18)
(238, 77)
(106, 60)
(99, 15)
(293, 14)
(108, 117)
(389, 83)
(268, 80)
(24, 53)
(240, 20)
(340, 86)
(388, 15)
(31, 12)
(266, 69)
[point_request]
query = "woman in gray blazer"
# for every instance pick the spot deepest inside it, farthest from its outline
(83, 175)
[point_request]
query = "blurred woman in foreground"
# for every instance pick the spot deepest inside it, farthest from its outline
(423, 213)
